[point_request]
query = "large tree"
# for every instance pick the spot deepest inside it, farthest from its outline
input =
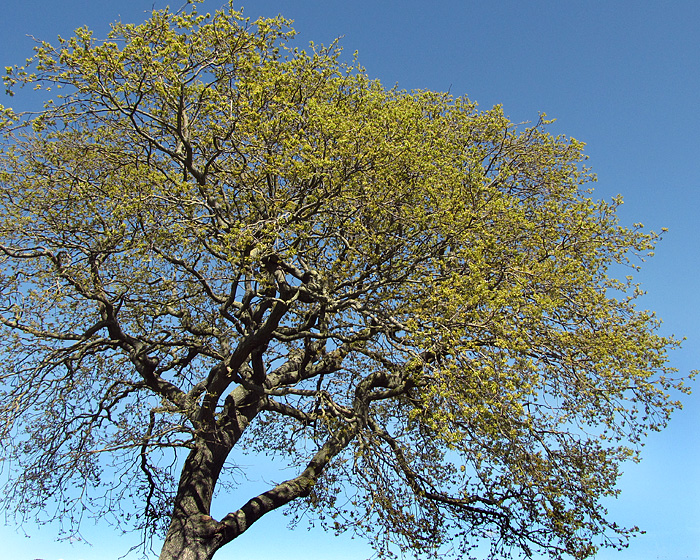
(214, 244)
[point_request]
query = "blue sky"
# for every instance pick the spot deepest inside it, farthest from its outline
(622, 76)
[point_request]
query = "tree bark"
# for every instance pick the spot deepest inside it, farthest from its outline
(193, 533)
(190, 539)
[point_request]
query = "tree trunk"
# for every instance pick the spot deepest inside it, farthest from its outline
(186, 541)
(193, 533)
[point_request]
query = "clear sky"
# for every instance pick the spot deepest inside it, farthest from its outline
(622, 76)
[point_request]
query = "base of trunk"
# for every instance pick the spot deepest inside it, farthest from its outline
(191, 539)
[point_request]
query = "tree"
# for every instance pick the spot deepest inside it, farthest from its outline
(213, 244)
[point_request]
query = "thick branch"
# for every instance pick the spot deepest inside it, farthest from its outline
(234, 524)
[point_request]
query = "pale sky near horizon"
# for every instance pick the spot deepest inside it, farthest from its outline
(622, 76)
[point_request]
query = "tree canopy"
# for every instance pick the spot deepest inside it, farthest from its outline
(215, 244)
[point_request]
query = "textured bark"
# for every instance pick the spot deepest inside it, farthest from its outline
(190, 539)
(193, 533)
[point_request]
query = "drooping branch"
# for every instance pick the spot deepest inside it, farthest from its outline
(422, 490)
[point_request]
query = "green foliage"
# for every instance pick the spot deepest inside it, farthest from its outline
(212, 241)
